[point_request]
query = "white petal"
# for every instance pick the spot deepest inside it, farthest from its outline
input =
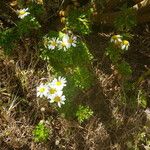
(59, 93)
(51, 101)
(26, 9)
(115, 41)
(123, 47)
(111, 40)
(38, 94)
(59, 104)
(73, 44)
(119, 40)
(63, 102)
(74, 38)
(63, 98)
(126, 48)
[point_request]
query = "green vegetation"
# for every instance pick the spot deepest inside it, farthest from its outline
(41, 132)
(83, 113)
(77, 66)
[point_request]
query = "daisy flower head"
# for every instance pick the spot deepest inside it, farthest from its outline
(116, 39)
(58, 98)
(52, 91)
(59, 83)
(72, 40)
(42, 90)
(52, 44)
(23, 13)
(65, 44)
(125, 45)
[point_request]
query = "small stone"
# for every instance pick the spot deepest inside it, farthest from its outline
(42, 109)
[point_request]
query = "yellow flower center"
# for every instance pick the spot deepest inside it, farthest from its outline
(53, 43)
(125, 42)
(22, 12)
(115, 37)
(58, 83)
(63, 44)
(57, 99)
(70, 40)
(42, 90)
(52, 91)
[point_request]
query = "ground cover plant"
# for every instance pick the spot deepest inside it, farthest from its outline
(74, 75)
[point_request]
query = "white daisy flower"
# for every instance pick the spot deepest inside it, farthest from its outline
(72, 40)
(42, 90)
(52, 44)
(65, 44)
(59, 83)
(116, 39)
(22, 13)
(58, 98)
(125, 45)
(52, 90)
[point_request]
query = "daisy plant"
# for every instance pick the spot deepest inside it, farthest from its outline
(23, 13)
(53, 43)
(125, 45)
(59, 98)
(64, 43)
(116, 48)
(69, 53)
(72, 40)
(42, 90)
(116, 39)
(59, 83)
(53, 91)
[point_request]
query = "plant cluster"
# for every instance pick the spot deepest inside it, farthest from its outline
(78, 21)
(60, 43)
(53, 91)
(83, 113)
(24, 27)
(126, 20)
(119, 44)
(117, 47)
(68, 55)
(41, 132)
(64, 51)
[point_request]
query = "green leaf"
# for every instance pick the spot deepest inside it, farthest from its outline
(124, 68)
